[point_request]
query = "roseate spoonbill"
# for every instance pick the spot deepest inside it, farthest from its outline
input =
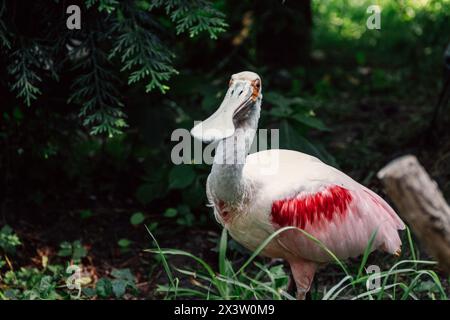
(302, 192)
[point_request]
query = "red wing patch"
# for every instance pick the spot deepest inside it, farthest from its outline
(312, 208)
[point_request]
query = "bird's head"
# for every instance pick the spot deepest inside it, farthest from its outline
(239, 108)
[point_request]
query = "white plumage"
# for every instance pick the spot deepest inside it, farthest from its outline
(255, 195)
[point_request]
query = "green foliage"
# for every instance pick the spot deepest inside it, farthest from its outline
(124, 243)
(50, 284)
(75, 250)
(103, 5)
(137, 218)
(26, 79)
(122, 281)
(141, 52)
(170, 213)
(192, 16)
(4, 33)
(124, 29)
(31, 284)
(406, 34)
(406, 279)
(49, 281)
(183, 215)
(8, 239)
(180, 177)
(295, 118)
(94, 89)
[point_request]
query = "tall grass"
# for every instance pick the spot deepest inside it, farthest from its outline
(409, 278)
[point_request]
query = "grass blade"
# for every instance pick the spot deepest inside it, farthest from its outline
(367, 252)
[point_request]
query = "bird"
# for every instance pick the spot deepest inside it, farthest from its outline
(256, 194)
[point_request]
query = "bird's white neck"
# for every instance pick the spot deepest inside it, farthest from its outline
(226, 178)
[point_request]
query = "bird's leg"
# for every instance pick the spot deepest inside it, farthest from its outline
(291, 285)
(303, 272)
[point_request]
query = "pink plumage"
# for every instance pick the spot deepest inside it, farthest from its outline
(255, 195)
(310, 195)
(341, 219)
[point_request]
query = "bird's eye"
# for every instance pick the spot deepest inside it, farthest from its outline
(257, 83)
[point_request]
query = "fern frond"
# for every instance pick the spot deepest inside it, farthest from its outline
(23, 69)
(103, 5)
(129, 32)
(141, 52)
(5, 41)
(96, 91)
(194, 16)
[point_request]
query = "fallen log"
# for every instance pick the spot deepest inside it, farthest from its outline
(421, 205)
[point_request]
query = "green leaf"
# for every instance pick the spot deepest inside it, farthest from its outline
(89, 292)
(65, 249)
(148, 192)
(23, 71)
(170, 213)
(310, 121)
(103, 288)
(119, 287)
(290, 138)
(7, 230)
(96, 89)
(124, 274)
(279, 101)
(186, 220)
(124, 243)
(185, 217)
(78, 252)
(137, 218)
(84, 214)
(181, 176)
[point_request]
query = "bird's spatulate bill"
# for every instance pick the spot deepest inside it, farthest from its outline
(221, 124)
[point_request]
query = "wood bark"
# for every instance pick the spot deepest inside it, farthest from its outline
(421, 205)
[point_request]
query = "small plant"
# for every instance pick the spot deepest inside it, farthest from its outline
(32, 283)
(50, 283)
(137, 218)
(124, 245)
(122, 281)
(8, 240)
(75, 250)
(183, 215)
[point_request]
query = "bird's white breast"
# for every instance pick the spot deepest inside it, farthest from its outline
(273, 175)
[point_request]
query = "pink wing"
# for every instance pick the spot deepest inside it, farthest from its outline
(342, 219)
